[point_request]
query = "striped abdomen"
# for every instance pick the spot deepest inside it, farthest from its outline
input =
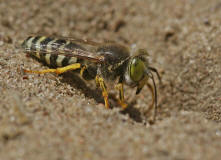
(50, 50)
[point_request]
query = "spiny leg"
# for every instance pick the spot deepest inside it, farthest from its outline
(57, 70)
(100, 82)
(119, 87)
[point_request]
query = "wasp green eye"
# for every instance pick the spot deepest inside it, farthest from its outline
(136, 69)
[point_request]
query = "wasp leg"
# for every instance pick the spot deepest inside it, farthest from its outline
(119, 87)
(153, 93)
(153, 97)
(100, 82)
(57, 70)
(157, 73)
(153, 89)
(82, 70)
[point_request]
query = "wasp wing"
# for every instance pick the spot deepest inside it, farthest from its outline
(81, 41)
(82, 54)
(72, 39)
(63, 46)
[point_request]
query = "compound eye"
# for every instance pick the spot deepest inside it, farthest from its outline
(137, 68)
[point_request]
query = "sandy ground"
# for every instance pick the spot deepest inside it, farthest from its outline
(46, 117)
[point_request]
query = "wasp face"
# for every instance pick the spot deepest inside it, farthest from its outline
(139, 72)
(137, 68)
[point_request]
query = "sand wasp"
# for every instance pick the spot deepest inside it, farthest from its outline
(92, 60)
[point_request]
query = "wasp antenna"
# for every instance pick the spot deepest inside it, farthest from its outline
(157, 73)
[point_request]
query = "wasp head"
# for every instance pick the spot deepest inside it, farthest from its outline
(139, 72)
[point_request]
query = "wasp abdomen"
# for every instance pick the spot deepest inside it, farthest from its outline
(50, 50)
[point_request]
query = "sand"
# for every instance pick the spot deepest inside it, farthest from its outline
(46, 117)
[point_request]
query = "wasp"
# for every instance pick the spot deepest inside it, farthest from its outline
(103, 62)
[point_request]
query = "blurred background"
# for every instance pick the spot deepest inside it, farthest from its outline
(61, 117)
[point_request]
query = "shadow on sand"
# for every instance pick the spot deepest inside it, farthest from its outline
(76, 82)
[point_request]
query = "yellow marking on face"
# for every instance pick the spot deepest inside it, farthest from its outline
(59, 60)
(47, 58)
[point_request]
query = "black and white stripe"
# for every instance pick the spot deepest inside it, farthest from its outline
(42, 48)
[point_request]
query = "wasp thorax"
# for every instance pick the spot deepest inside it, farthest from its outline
(136, 69)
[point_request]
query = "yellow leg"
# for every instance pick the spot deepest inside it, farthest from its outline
(101, 84)
(82, 70)
(119, 87)
(57, 70)
(97, 81)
